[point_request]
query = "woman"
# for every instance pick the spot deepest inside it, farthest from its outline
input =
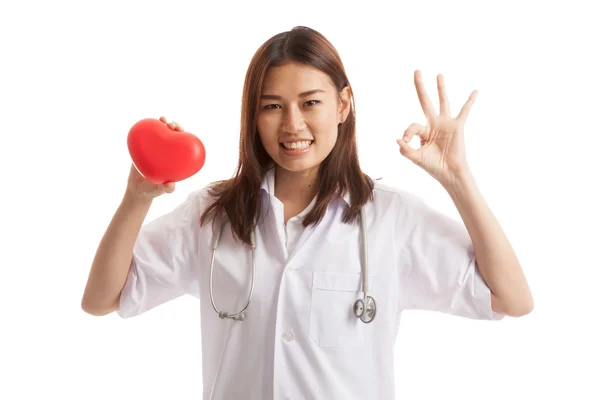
(300, 190)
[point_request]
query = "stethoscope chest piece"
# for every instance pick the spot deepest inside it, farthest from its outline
(366, 312)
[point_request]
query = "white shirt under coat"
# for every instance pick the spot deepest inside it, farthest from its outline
(300, 339)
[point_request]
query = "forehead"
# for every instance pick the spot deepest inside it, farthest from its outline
(292, 78)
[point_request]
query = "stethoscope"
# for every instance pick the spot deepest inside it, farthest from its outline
(364, 308)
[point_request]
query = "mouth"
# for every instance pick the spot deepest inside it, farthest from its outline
(297, 147)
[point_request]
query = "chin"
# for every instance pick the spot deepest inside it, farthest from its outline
(298, 165)
(298, 161)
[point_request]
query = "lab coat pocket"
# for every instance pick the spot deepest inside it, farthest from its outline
(332, 320)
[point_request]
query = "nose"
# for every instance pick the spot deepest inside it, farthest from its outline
(293, 121)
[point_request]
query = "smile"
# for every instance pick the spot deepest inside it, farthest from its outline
(300, 145)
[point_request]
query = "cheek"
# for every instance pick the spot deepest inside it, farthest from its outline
(265, 130)
(325, 127)
(325, 119)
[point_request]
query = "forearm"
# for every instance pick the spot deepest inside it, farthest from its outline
(496, 259)
(111, 263)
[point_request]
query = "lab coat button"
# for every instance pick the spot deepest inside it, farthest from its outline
(288, 336)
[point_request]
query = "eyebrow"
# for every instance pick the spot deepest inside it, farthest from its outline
(303, 94)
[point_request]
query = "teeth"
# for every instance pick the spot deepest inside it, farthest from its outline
(297, 145)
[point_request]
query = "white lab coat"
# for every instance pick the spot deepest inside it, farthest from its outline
(300, 339)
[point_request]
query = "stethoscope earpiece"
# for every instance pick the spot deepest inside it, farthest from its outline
(225, 314)
(240, 317)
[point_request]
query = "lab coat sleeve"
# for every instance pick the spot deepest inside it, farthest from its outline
(438, 270)
(164, 261)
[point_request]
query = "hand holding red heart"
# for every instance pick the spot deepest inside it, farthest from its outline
(163, 152)
(140, 187)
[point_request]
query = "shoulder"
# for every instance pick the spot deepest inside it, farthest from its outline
(386, 194)
(190, 206)
(202, 197)
(405, 207)
(411, 211)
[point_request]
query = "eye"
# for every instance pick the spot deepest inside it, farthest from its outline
(311, 103)
(271, 106)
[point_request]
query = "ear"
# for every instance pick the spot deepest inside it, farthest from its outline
(345, 104)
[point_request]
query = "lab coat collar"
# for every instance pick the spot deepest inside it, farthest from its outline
(268, 184)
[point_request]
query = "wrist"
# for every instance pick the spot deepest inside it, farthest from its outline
(133, 200)
(459, 182)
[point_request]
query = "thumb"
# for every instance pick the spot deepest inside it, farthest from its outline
(168, 187)
(407, 151)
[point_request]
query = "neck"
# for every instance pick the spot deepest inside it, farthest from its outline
(297, 186)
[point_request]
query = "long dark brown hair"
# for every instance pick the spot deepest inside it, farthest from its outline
(240, 197)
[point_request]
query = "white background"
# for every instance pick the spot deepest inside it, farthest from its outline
(74, 77)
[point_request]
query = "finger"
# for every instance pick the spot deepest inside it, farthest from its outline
(407, 151)
(444, 104)
(426, 105)
(163, 120)
(160, 189)
(464, 112)
(412, 130)
(169, 187)
(175, 126)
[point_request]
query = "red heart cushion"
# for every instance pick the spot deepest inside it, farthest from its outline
(163, 155)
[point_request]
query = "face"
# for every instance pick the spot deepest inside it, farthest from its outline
(299, 113)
